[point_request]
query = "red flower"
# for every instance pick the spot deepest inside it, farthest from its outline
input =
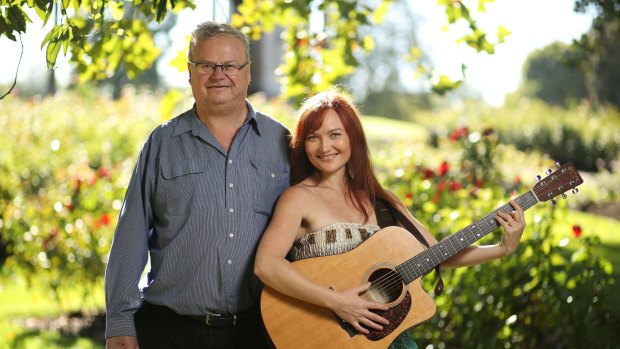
(105, 219)
(458, 133)
(101, 221)
(577, 230)
(104, 172)
(454, 186)
(479, 183)
(428, 173)
(408, 196)
(443, 169)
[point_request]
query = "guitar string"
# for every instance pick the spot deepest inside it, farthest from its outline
(394, 279)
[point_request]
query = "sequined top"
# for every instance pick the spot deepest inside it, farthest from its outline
(331, 240)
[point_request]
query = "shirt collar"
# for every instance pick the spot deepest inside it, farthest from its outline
(191, 122)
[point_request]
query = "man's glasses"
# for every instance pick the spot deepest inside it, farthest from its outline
(228, 69)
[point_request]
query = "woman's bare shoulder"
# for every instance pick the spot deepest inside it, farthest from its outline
(298, 193)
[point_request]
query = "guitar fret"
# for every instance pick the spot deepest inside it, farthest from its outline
(451, 245)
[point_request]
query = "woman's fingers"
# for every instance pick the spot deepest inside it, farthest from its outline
(513, 224)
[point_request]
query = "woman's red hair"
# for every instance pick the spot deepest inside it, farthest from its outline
(362, 184)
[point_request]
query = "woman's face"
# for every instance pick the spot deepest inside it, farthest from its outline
(329, 148)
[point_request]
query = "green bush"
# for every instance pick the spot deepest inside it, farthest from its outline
(63, 171)
(545, 295)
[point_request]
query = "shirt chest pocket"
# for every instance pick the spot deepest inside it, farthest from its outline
(270, 180)
(183, 185)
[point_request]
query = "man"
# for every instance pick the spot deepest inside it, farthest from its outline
(202, 193)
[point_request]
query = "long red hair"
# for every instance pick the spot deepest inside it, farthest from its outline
(363, 183)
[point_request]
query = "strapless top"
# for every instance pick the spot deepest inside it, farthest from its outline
(331, 240)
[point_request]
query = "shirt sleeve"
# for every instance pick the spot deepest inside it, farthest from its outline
(129, 251)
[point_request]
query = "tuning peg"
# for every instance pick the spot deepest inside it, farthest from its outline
(538, 177)
(575, 190)
(553, 201)
(548, 171)
(557, 164)
(564, 195)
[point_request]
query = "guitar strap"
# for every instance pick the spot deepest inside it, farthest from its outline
(388, 215)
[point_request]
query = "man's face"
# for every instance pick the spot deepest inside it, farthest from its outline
(219, 89)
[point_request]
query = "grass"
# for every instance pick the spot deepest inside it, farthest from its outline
(22, 307)
(605, 228)
(377, 127)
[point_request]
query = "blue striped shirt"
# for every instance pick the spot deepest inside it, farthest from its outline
(198, 212)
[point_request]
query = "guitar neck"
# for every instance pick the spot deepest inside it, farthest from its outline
(424, 262)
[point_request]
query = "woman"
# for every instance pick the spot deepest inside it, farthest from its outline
(334, 190)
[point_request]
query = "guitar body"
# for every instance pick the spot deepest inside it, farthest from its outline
(292, 323)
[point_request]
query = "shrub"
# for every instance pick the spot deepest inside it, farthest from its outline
(543, 296)
(63, 173)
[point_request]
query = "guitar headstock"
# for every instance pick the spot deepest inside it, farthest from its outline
(557, 182)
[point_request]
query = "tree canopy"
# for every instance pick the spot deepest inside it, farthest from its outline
(104, 37)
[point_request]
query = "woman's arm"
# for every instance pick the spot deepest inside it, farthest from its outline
(275, 271)
(513, 224)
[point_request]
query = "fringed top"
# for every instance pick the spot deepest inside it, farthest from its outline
(331, 240)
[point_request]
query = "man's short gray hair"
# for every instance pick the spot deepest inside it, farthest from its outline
(208, 30)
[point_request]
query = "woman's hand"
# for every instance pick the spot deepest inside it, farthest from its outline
(355, 310)
(513, 224)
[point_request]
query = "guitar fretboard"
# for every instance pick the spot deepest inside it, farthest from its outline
(451, 245)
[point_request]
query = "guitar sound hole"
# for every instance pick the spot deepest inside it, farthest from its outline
(386, 286)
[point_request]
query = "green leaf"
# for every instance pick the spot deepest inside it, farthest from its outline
(169, 103)
(52, 35)
(52, 53)
(444, 84)
(116, 11)
(378, 16)
(502, 33)
(180, 60)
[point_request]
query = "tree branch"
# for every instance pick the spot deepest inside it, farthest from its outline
(17, 68)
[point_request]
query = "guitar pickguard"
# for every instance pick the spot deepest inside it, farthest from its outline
(395, 315)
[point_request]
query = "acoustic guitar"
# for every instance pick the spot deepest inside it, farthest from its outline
(393, 261)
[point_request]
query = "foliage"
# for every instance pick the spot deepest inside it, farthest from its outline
(102, 36)
(108, 38)
(64, 173)
(599, 51)
(317, 57)
(588, 138)
(554, 76)
(545, 295)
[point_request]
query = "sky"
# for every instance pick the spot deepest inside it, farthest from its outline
(533, 23)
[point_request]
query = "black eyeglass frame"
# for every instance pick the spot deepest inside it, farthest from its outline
(223, 67)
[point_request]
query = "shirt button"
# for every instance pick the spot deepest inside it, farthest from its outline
(230, 161)
(231, 235)
(229, 261)
(231, 210)
(230, 185)
(273, 175)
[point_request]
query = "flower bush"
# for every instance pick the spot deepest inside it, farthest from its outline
(64, 168)
(545, 295)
